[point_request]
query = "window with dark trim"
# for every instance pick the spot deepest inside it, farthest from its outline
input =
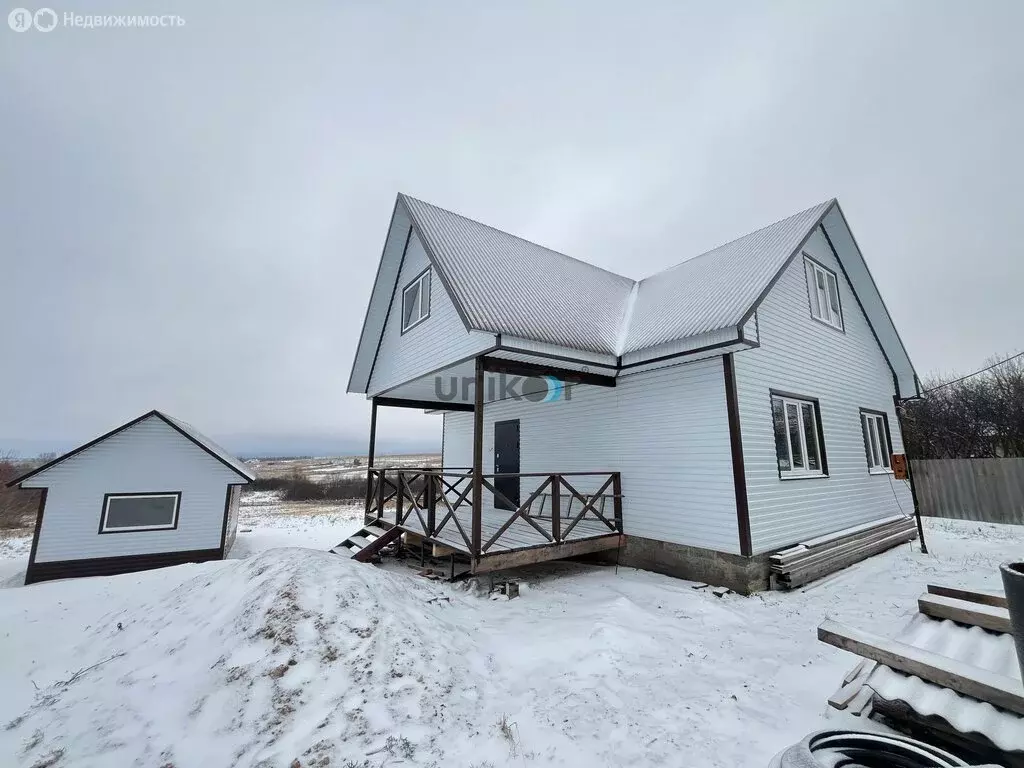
(124, 512)
(877, 444)
(823, 292)
(799, 441)
(416, 301)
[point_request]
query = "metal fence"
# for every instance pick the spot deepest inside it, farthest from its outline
(986, 490)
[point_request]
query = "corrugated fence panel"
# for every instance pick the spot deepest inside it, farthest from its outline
(984, 490)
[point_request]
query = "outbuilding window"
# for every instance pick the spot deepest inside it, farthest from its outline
(823, 291)
(798, 437)
(139, 512)
(416, 301)
(877, 446)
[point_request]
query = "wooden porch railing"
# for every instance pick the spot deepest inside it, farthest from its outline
(422, 493)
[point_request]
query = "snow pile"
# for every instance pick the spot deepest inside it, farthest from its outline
(292, 654)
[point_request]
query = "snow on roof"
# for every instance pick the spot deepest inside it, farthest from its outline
(716, 289)
(202, 440)
(505, 284)
(972, 645)
(182, 427)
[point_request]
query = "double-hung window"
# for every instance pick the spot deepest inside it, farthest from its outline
(877, 448)
(823, 290)
(416, 301)
(798, 437)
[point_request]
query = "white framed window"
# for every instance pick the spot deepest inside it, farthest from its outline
(123, 512)
(416, 301)
(823, 291)
(798, 437)
(877, 447)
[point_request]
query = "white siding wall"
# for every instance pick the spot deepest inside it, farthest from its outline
(666, 431)
(232, 529)
(148, 457)
(439, 339)
(846, 372)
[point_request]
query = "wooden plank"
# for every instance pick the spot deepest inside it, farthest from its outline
(862, 702)
(815, 557)
(964, 612)
(862, 535)
(377, 544)
(997, 599)
(546, 552)
(863, 669)
(838, 536)
(804, 575)
(842, 698)
(998, 690)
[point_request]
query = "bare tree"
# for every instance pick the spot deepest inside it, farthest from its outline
(975, 417)
(17, 507)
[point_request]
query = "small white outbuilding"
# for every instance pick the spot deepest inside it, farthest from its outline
(151, 493)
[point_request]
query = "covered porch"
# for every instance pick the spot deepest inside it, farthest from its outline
(500, 519)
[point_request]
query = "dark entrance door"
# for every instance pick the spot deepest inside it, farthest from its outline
(506, 459)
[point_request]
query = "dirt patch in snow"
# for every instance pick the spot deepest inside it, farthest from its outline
(292, 654)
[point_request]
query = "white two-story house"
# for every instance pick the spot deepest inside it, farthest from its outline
(692, 422)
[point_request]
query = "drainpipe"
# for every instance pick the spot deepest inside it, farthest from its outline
(910, 476)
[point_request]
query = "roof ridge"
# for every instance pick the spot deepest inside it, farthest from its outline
(692, 259)
(517, 237)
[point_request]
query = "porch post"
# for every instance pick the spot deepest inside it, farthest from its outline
(373, 433)
(478, 458)
(369, 456)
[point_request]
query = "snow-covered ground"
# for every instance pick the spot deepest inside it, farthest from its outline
(296, 654)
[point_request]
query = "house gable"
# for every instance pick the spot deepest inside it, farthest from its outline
(186, 431)
(150, 456)
(405, 353)
(386, 355)
(844, 370)
(488, 287)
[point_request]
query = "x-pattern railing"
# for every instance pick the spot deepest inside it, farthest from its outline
(420, 491)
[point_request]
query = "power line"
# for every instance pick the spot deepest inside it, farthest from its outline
(969, 375)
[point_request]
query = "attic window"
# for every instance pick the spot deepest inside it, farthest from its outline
(823, 291)
(139, 512)
(416, 301)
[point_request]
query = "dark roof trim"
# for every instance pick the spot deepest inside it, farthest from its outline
(369, 303)
(739, 477)
(122, 428)
(881, 300)
(391, 304)
(778, 275)
(871, 327)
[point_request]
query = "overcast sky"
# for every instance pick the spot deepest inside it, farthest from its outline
(191, 217)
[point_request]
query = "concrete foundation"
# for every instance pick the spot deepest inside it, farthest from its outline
(745, 575)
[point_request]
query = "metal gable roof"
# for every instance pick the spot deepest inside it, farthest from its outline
(718, 288)
(187, 430)
(504, 284)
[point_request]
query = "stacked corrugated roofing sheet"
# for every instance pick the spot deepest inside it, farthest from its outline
(972, 645)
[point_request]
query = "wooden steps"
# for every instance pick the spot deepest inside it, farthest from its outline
(815, 558)
(367, 542)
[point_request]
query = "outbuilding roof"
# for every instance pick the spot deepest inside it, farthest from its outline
(186, 430)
